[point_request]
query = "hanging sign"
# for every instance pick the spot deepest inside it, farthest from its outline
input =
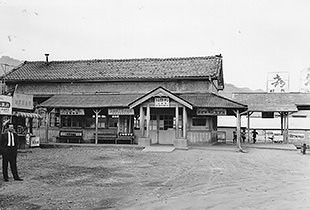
(71, 111)
(5, 105)
(211, 111)
(124, 111)
(162, 102)
(22, 101)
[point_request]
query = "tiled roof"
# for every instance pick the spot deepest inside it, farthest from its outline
(273, 102)
(89, 100)
(125, 69)
(211, 100)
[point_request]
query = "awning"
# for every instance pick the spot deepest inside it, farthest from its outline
(25, 114)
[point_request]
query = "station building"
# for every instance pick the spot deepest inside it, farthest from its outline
(169, 101)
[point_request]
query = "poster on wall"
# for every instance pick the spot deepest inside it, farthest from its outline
(305, 81)
(5, 105)
(278, 82)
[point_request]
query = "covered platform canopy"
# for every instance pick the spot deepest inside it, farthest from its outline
(283, 103)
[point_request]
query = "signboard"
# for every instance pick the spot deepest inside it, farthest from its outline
(162, 102)
(35, 141)
(305, 81)
(206, 111)
(278, 82)
(22, 101)
(5, 105)
(71, 111)
(121, 111)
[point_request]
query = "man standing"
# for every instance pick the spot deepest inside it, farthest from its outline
(254, 134)
(8, 144)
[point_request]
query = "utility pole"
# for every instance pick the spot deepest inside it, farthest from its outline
(4, 67)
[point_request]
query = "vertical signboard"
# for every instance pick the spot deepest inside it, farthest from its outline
(5, 105)
(278, 82)
(305, 81)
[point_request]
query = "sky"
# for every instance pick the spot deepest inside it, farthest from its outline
(255, 37)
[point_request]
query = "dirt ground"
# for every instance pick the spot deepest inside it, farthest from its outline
(126, 178)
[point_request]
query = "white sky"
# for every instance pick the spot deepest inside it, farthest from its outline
(254, 36)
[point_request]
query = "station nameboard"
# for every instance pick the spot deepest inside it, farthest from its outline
(121, 111)
(71, 111)
(205, 111)
(5, 105)
(162, 102)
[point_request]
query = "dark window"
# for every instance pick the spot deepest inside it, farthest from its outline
(113, 121)
(199, 121)
(267, 115)
(71, 121)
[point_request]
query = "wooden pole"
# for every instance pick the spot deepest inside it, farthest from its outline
(238, 122)
(148, 118)
(248, 115)
(47, 118)
(141, 121)
(177, 121)
(184, 122)
(281, 115)
(96, 125)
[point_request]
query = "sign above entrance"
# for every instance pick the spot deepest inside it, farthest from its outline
(121, 112)
(71, 111)
(162, 102)
(211, 111)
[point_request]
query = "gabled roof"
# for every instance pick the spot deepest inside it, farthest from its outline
(273, 102)
(89, 100)
(160, 91)
(119, 70)
(212, 100)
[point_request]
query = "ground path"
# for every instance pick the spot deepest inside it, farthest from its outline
(127, 178)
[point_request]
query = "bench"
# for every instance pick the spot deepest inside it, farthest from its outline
(70, 136)
(115, 138)
(127, 137)
(106, 137)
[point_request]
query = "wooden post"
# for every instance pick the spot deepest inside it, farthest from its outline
(47, 118)
(238, 115)
(184, 122)
(284, 126)
(238, 129)
(281, 115)
(177, 121)
(248, 115)
(287, 128)
(148, 118)
(130, 124)
(96, 125)
(119, 122)
(141, 121)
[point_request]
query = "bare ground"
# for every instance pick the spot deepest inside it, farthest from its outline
(126, 178)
